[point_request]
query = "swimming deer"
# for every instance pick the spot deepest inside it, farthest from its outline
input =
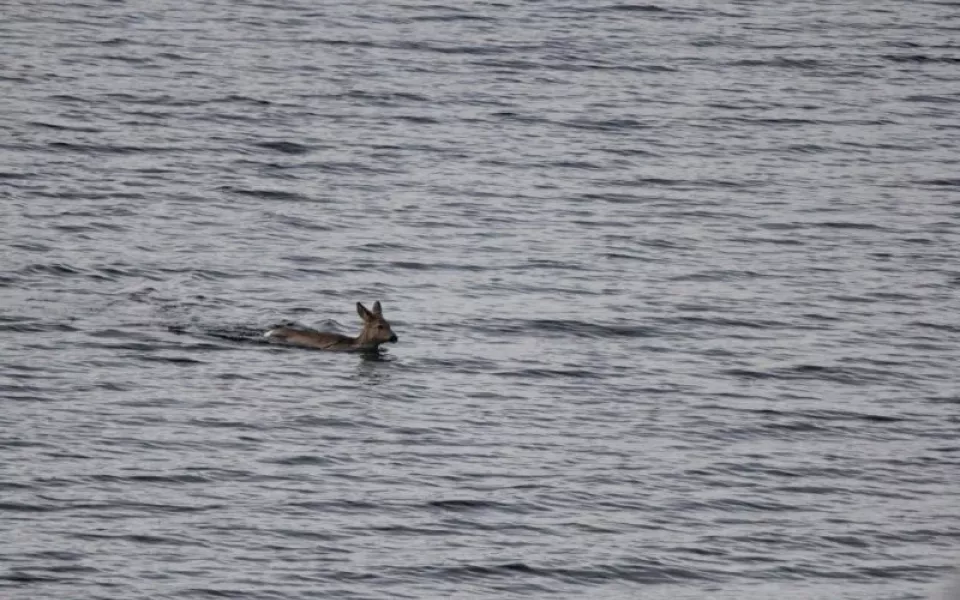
(376, 331)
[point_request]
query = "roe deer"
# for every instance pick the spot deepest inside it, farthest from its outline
(376, 331)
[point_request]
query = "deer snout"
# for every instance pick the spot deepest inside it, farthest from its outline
(393, 338)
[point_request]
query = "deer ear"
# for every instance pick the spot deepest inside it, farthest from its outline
(363, 312)
(377, 309)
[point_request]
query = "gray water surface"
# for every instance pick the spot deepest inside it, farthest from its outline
(675, 286)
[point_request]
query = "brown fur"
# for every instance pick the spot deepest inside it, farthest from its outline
(375, 331)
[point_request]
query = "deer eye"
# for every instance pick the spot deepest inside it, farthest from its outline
(379, 326)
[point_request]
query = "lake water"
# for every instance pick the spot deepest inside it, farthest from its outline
(676, 287)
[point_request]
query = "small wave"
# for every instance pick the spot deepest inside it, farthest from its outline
(64, 127)
(239, 98)
(725, 322)
(109, 148)
(19, 576)
(299, 223)
(550, 373)
(173, 360)
(933, 99)
(855, 376)
(336, 505)
(302, 460)
(921, 59)
(449, 49)
(940, 182)
(560, 327)
(719, 275)
(417, 119)
(67, 98)
(267, 194)
(285, 147)
(241, 593)
(136, 538)
(135, 60)
(225, 424)
(58, 269)
(385, 96)
(946, 327)
(470, 505)
(409, 265)
(455, 17)
(138, 478)
(779, 62)
(8, 506)
(115, 42)
(649, 8)
(653, 572)
(848, 225)
(611, 125)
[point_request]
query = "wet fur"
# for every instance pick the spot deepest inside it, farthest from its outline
(376, 330)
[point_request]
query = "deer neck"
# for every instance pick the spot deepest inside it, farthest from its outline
(364, 340)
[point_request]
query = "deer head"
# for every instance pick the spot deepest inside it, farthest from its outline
(376, 330)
